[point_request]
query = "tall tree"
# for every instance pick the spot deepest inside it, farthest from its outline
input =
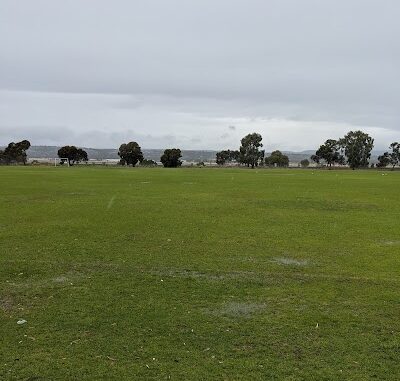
(250, 153)
(171, 158)
(130, 153)
(330, 153)
(72, 154)
(357, 147)
(278, 159)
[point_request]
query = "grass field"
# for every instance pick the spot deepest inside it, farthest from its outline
(199, 274)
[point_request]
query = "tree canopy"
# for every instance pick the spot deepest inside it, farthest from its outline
(73, 154)
(15, 152)
(130, 153)
(305, 163)
(278, 159)
(148, 163)
(357, 147)
(330, 153)
(250, 153)
(171, 158)
(390, 158)
(227, 156)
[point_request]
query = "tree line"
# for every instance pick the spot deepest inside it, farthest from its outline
(354, 150)
(251, 155)
(130, 154)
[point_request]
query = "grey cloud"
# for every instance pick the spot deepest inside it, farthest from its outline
(168, 69)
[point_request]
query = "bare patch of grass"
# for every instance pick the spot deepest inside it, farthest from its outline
(391, 243)
(290, 261)
(6, 304)
(239, 309)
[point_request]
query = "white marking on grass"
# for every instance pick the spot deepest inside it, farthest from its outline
(111, 202)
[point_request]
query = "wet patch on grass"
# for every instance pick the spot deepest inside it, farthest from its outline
(60, 279)
(320, 205)
(238, 309)
(6, 304)
(290, 261)
(193, 274)
(390, 243)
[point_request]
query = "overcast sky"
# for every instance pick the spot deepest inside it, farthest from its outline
(198, 74)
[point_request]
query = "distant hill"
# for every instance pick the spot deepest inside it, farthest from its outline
(50, 152)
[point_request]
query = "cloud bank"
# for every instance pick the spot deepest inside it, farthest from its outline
(198, 74)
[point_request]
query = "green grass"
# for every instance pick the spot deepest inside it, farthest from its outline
(199, 274)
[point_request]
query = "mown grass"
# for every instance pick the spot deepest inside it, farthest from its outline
(190, 274)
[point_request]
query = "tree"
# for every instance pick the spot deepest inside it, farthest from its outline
(72, 154)
(15, 152)
(390, 158)
(278, 159)
(357, 147)
(304, 163)
(329, 152)
(81, 155)
(148, 163)
(315, 158)
(130, 154)
(170, 158)
(221, 157)
(227, 156)
(395, 154)
(250, 153)
(383, 160)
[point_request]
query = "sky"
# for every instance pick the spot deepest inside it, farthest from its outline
(198, 74)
